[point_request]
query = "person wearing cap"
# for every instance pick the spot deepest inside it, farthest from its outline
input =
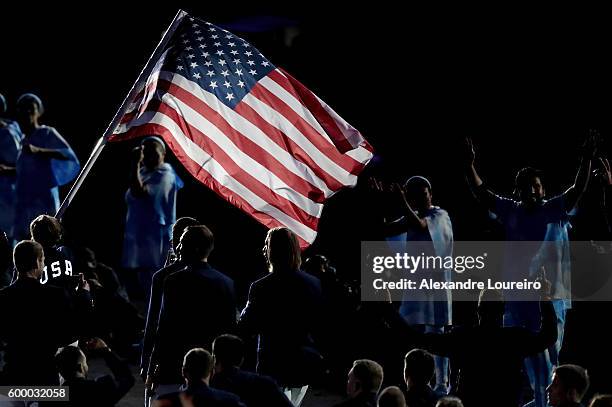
(10, 145)
(46, 161)
(424, 229)
(151, 212)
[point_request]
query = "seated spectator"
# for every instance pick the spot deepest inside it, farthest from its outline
(601, 400)
(103, 391)
(418, 372)
(449, 402)
(364, 381)
(391, 396)
(198, 304)
(197, 370)
(254, 390)
(569, 385)
(173, 264)
(489, 357)
(284, 310)
(39, 322)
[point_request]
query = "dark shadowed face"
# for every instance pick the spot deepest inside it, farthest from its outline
(556, 393)
(152, 154)
(419, 197)
(532, 191)
(27, 112)
(491, 313)
(352, 385)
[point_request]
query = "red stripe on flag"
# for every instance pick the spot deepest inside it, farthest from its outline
(239, 174)
(131, 114)
(284, 142)
(344, 161)
(197, 171)
(297, 89)
(246, 145)
(312, 103)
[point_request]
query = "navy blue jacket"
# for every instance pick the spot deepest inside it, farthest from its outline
(284, 310)
(198, 304)
(155, 299)
(35, 321)
(254, 390)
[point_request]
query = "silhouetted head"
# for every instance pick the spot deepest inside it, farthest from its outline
(197, 242)
(71, 362)
(491, 308)
(365, 376)
(601, 400)
(29, 258)
(418, 193)
(449, 401)
(179, 227)
(29, 109)
(391, 396)
(46, 230)
(528, 186)
(228, 351)
(569, 385)
(153, 152)
(197, 366)
(282, 250)
(418, 368)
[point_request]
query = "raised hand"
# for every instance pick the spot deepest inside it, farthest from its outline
(83, 283)
(603, 173)
(399, 191)
(469, 155)
(137, 155)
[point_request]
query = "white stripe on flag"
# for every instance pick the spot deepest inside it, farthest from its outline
(221, 176)
(242, 160)
(297, 106)
(280, 122)
(250, 131)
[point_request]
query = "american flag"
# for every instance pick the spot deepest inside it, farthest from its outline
(245, 128)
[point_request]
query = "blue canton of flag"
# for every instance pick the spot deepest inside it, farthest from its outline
(217, 60)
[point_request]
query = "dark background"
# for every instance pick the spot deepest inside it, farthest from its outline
(526, 83)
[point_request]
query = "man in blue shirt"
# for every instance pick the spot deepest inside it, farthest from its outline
(151, 212)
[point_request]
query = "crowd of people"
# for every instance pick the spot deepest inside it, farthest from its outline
(60, 306)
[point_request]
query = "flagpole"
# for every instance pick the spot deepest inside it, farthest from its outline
(144, 74)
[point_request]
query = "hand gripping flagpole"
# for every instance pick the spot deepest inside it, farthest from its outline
(144, 74)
